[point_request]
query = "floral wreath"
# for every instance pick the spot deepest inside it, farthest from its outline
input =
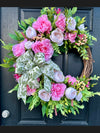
(39, 79)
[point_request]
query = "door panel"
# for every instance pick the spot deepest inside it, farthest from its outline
(69, 64)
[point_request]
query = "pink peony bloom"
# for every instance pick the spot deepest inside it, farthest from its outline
(70, 93)
(58, 76)
(70, 36)
(43, 46)
(19, 49)
(71, 79)
(42, 24)
(88, 84)
(79, 96)
(58, 10)
(17, 76)
(57, 91)
(44, 95)
(61, 22)
(30, 91)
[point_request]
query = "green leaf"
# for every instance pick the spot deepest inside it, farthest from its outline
(97, 93)
(29, 99)
(14, 89)
(43, 109)
(56, 48)
(29, 21)
(74, 10)
(8, 46)
(2, 42)
(21, 26)
(5, 65)
(13, 36)
(11, 69)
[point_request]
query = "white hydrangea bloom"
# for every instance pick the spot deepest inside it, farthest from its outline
(71, 23)
(31, 32)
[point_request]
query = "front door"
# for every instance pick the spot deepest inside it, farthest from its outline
(70, 64)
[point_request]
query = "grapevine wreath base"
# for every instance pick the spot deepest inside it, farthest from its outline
(39, 79)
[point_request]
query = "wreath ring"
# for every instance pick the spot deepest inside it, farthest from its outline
(39, 79)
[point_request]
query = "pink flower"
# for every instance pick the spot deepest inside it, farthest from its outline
(58, 10)
(43, 46)
(17, 76)
(57, 91)
(19, 49)
(42, 24)
(81, 36)
(70, 93)
(30, 91)
(71, 79)
(61, 22)
(70, 36)
(44, 95)
(88, 84)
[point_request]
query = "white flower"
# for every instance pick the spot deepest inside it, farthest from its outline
(81, 27)
(31, 32)
(28, 44)
(71, 24)
(44, 95)
(57, 36)
(58, 76)
(70, 93)
(79, 96)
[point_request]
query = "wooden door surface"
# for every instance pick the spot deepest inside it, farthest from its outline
(69, 64)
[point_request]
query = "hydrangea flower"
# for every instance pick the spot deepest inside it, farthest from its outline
(71, 23)
(79, 96)
(30, 91)
(61, 22)
(43, 46)
(19, 49)
(31, 32)
(44, 95)
(70, 36)
(57, 36)
(42, 24)
(57, 91)
(58, 76)
(71, 80)
(70, 93)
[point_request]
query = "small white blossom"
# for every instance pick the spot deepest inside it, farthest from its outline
(28, 44)
(70, 93)
(31, 32)
(79, 96)
(81, 27)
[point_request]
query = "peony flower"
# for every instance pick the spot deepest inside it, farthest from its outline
(57, 36)
(61, 22)
(58, 10)
(43, 46)
(44, 95)
(19, 49)
(79, 96)
(71, 79)
(81, 27)
(70, 93)
(17, 76)
(30, 91)
(88, 84)
(28, 44)
(31, 32)
(70, 36)
(58, 76)
(42, 24)
(57, 91)
(71, 24)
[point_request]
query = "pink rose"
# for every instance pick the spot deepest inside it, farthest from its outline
(19, 49)
(44, 95)
(42, 24)
(61, 22)
(70, 93)
(58, 10)
(57, 91)
(71, 80)
(30, 91)
(17, 76)
(70, 36)
(43, 46)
